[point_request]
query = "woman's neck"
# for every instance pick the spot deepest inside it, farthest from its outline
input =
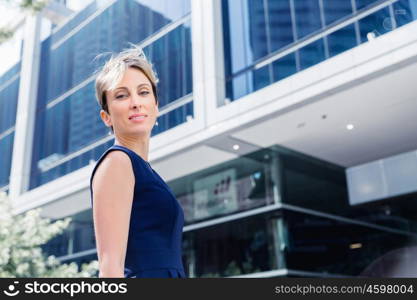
(140, 147)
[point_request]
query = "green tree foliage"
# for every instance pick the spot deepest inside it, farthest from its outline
(21, 238)
(25, 6)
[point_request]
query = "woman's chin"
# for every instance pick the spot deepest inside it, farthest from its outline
(137, 132)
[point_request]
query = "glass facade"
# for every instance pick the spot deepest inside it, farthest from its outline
(9, 92)
(66, 101)
(256, 30)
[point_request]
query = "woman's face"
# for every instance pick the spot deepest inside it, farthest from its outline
(132, 107)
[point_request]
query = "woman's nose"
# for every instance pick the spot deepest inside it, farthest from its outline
(135, 101)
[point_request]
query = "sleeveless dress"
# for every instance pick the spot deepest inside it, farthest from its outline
(156, 223)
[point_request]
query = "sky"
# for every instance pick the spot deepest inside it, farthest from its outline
(10, 50)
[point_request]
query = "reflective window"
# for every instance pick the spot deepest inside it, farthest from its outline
(360, 4)
(322, 245)
(9, 92)
(284, 67)
(307, 15)
(247, 32)
(237, 185)
(341, 40)
(8, 103)
(171, 57)
(405, 11)
(377, 24)
(6, 149)
(311, 54)
(261, 77)
(260, 29)
(280, 24)
(233, 248)
(336, 10)
(77, 237)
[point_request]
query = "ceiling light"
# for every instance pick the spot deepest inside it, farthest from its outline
(355, 246)
(236, 147)
(349, 126)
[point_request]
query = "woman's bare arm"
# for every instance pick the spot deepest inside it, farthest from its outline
(113, 186)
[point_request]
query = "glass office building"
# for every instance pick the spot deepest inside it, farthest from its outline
(261, 197)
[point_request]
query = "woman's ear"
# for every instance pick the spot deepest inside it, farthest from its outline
(105, 116)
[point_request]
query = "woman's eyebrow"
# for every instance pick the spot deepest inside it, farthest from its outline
(140, 85)
(144, 84)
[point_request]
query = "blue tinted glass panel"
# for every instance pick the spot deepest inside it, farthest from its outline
(377, 23)
(68, 126)
(405, 11)
(311, 54)
(261, 77)
(75, 20)
(39, 177)
(280, 24)
(246, 34)
(71, 56)
(172, 64)
(284, 67)
(364, 3)
(8, 103)
(341, 40)
(6, 149)
(241, 85)
(227, 38)
(248, 82)
(336, 10)
(9, 74)
(173, 118)
(307, 15)
(257, 29)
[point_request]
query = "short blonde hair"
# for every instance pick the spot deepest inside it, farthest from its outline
(113, 70)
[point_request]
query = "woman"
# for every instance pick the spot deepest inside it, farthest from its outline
(137, 220)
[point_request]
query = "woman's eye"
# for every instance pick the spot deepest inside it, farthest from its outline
(120, 96)
(144, 93)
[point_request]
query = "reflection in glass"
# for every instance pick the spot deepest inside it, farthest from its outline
(336, 10)
(240, 48)
(280, 24)
(377, 23)
(77, 237)
(311, 54)
(341, 40)
(329, 246)
(284, 67)
(261, 77)
(405, 11)
(232, 248)
(364, 3)
(8, 103)
(171, 58)
(237, 185)
(307, 15)
(6, 149)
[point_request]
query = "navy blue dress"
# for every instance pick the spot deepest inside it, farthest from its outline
(156, 223)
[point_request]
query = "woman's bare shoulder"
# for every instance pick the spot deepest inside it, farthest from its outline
(116, 167)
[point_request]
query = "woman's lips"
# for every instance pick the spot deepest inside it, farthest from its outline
(137, 119)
